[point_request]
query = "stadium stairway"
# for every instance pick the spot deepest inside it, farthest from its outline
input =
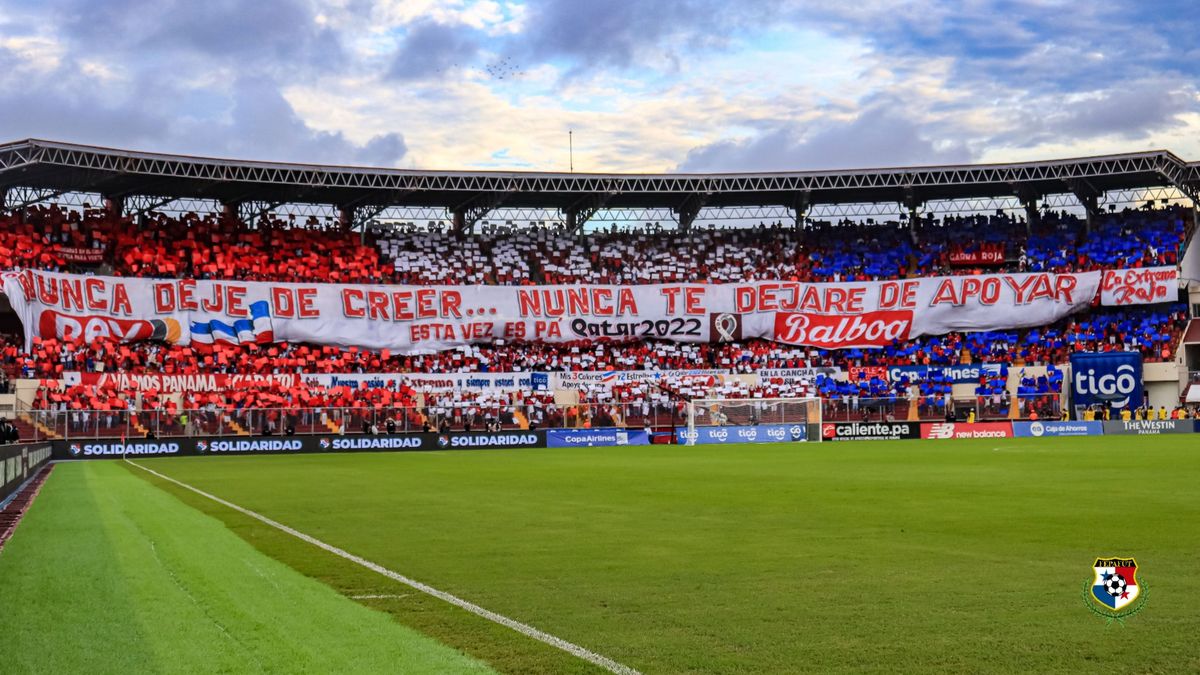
(521, 420)
(30, 428)
(1188, 345)
(238, 430)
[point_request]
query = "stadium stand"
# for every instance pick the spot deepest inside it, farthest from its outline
(211, 246)
(272, 249)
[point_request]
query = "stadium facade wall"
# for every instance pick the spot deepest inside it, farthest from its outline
(18, 463)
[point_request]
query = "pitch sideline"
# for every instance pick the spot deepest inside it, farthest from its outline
(522, 628)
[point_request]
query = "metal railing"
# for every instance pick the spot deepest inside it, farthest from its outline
(38, 425)
(936, 408)
(85, 424)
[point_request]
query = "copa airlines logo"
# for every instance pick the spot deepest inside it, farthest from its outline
(1123, 382)
(872, 329)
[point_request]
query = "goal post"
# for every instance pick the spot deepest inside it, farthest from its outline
(753, 419)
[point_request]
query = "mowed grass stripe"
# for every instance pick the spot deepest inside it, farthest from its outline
(503, 649)
(109, 574)
(947, 556)
(524, 629)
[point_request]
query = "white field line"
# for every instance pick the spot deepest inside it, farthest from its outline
(522, 628)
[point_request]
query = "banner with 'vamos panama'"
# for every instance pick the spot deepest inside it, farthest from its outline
(424, 319)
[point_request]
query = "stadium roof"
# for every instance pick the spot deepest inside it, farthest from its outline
(66, 167)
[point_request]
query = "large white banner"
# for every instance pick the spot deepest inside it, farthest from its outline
(608, 378)
(218, 382)
(424, 319)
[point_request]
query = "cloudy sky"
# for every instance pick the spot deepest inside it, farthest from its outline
(646, 85)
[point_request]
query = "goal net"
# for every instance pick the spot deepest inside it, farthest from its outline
(754, 420)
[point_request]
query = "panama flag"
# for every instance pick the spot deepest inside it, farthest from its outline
(1116, 584)
(257, 328)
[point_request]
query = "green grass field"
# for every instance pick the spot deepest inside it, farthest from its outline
(947, 556)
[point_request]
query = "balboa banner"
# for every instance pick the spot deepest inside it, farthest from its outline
(1150, 427)
(425, 319)
(285, 445)
(758, 433)
(1051, 428)
(574, 438)
(954, 430)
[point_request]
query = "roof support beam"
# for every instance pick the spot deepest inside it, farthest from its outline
(361, 216)
(467, 214)
(1088, 197)
(800, 204)
(33, 196)
(250, 212)
(582, 211)
(689, 209)
(1029, 199)
(142, 205)
(913, 204)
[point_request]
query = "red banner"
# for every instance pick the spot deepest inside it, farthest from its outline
(181, 383)
(867, 373)
(831, 331)
(951, 430)
(992, 254)
(1141, 286)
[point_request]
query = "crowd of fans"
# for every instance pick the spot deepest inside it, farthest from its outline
(274, 249)
(216, 246)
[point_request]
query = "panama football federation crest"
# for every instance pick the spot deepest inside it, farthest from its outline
(1114, 591)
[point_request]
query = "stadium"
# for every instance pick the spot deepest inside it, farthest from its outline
(534, 336)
